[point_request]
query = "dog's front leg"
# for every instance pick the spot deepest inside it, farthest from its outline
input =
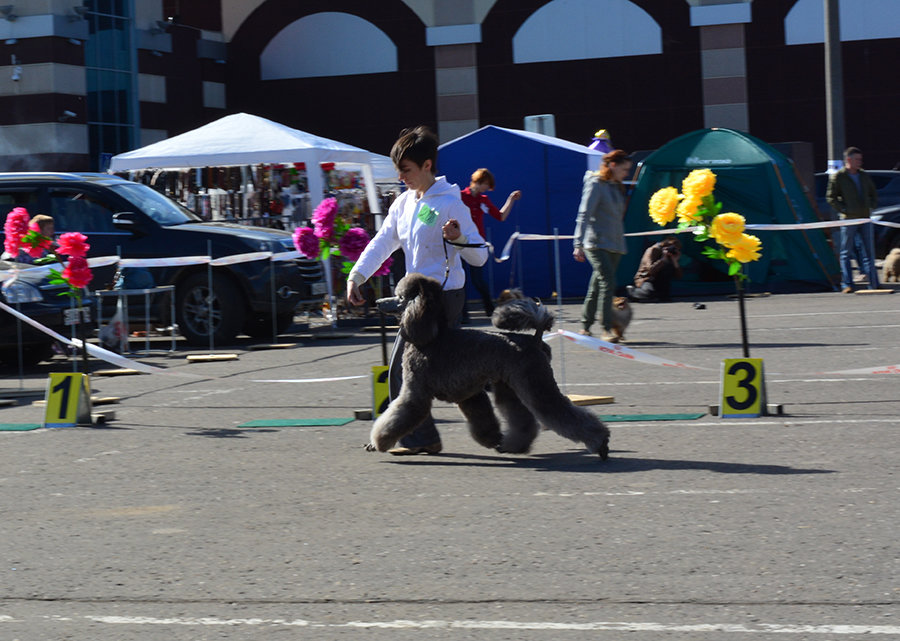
(403, 415)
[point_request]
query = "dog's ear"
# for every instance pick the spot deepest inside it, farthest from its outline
(422, 317)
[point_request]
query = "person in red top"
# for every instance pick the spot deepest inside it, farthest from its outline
(475, 198)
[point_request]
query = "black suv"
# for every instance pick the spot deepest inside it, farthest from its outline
(131, 220)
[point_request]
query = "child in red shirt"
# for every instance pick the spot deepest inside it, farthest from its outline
(475, 198)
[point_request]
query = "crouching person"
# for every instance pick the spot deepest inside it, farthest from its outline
(659, 267)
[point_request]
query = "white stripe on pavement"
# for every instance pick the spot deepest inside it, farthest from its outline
(402, 624)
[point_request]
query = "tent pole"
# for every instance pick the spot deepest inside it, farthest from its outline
(562, 358)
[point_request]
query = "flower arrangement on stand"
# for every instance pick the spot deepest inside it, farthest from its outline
(75, 273)
(697, 210)
(334, 235)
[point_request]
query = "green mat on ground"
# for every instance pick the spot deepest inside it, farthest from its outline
(296, 422)
(617, 418)
(18, 427)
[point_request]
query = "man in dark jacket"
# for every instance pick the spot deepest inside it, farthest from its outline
(852, 193)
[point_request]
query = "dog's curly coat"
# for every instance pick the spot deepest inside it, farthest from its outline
(454, 365)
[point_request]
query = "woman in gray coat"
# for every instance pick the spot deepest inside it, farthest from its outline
(600, 237)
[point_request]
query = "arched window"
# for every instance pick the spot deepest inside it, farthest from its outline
(327, 44)
(584, 29)
(860, 20)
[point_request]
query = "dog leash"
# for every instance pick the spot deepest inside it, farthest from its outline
(447, 257)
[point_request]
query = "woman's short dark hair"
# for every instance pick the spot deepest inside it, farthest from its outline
(416, 144)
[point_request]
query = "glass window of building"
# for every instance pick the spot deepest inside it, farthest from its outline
(110, 67)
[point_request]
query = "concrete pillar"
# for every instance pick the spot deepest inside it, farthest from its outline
(456, 78)
(723, 61)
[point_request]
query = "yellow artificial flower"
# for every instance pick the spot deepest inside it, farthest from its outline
(699, 183)
(687, 210)
(727, 228)
(746, 249)
(662, 205)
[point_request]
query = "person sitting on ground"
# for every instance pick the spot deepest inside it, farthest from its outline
(659, 267)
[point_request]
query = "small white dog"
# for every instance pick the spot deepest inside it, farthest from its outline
(891, 266)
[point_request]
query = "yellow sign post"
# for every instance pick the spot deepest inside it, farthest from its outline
(743, 388)
(381, 393)
(68, 399)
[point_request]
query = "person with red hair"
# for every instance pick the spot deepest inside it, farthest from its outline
(600, 237)
(475, 198)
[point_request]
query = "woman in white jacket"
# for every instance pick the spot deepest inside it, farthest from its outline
(419, 222)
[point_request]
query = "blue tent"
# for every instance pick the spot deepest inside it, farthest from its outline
(549, 171)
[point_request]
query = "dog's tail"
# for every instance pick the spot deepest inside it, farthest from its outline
(523, 314)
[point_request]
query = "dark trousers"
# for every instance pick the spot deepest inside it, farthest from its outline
(426, 433)
(601, 287)
(476, 277)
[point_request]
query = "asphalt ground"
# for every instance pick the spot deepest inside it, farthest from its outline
(174, 522)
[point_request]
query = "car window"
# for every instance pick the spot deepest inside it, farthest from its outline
(164, 211)
(880, 181)
(77, 211)
(10, 199)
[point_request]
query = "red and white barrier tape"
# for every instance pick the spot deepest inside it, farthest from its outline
(620, 351)
(507, 249)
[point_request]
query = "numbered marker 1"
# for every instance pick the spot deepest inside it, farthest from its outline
(381, 390)
(743, 388)
(68, 399)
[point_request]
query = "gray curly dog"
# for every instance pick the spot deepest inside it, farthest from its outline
(454, 365)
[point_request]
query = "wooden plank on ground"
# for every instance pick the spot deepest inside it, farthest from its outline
(581, 399)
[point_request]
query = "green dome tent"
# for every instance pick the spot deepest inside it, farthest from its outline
(752, 179)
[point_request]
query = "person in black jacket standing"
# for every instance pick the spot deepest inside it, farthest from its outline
(852, 193)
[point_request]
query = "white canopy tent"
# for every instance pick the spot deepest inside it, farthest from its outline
(245, 139)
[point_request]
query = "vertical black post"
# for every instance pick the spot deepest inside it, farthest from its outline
(82, 334)
(740, 292)
(384, 354)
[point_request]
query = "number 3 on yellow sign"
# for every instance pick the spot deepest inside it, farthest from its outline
(743, 388)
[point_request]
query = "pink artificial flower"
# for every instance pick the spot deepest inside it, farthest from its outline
(40, 248)
(385, 268)
(77, 273)
(306, 242)
(353, 243)
(14, 228)
(323, 218)
(73, 243)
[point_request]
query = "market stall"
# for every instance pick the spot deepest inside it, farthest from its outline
(242, 140)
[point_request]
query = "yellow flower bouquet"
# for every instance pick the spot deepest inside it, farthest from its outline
(695, 207)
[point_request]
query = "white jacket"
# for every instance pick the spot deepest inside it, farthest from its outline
(414, 225)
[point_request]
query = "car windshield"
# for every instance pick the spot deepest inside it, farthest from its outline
(164, 211)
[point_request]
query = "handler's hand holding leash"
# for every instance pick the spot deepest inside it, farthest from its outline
(451, 229)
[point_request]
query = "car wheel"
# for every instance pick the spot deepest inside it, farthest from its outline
(260, 325)
(200, 311)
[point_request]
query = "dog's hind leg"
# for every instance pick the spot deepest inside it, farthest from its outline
(483, 424)
(521, 426)
(403, 415)
(541, 395)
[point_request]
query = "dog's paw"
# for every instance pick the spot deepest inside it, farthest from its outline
(370, 447)
(603, 451)
(510, 446)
